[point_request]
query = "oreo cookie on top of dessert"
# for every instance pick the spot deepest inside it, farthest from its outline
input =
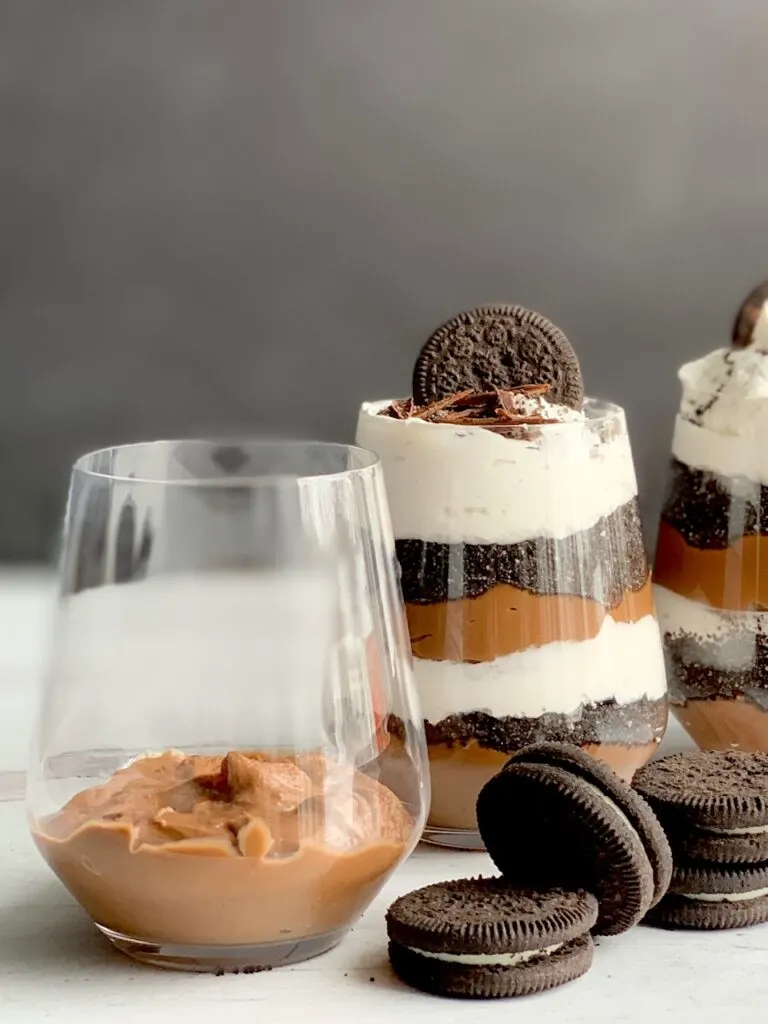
(514, 506)
(711, 586)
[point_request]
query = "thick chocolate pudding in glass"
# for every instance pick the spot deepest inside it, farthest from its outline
(201, 850)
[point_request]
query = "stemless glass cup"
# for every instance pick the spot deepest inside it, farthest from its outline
(527, 593)
(230, 758)
(711, 584)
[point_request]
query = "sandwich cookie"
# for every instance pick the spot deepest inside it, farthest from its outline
(556, 817)
(749, 313)
(713, 804)
(708, 897)
(479, 938)
(497, 347)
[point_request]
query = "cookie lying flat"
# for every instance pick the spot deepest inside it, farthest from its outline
(711, 897)
(497, 347)
(556, 817)
(478, 938)
(713, 804)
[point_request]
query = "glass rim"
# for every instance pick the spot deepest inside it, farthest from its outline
(596, 412)
(369, 459)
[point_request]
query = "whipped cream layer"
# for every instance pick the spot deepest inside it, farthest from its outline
(623, 663)
(723, 417)
(727, 639)
(450, 484)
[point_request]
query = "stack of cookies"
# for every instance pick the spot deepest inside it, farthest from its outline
(581, 853)
(714, 808)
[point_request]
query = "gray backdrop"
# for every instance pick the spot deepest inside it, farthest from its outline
(221, 215)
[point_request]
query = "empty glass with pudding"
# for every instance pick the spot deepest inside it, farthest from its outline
(213, 778)
(526, 584)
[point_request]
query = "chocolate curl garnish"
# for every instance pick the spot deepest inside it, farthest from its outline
(493, 410)
(401, 408)
(429, 412)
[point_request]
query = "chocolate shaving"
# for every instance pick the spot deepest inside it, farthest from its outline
(493, 410)
(401, 409)
(428, 411)
(467, 399)
(521, 421)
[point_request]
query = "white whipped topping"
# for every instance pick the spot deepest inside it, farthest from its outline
(723, 416)
(537, 405)
(488, 959)
(725, 897)
(624, 662)
(448, 483)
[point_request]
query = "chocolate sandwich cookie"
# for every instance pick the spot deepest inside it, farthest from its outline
(713, 804)
(748, 315)
(479, 938)
(556, 817)
(709, 897)
(497, 347)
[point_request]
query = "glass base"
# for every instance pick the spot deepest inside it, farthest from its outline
(453, 838)
(222, 959)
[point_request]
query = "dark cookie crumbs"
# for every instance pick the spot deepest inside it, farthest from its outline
(601, 563)
(710, 511)
(241, 970)
(629, 725)
(691, 675)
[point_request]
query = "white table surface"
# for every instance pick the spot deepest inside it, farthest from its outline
(55, 967)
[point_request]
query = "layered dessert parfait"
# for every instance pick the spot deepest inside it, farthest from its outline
(196, 851)
(711, 565)
(526, 581)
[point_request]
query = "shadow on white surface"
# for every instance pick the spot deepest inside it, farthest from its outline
(49, 933)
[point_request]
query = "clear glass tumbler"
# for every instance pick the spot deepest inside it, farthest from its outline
(230, 759)
(527, 593)
(711, 575)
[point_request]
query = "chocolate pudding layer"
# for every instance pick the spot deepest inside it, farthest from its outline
(505, 620)
(725, 723)
(241, 850)
(728, 578)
